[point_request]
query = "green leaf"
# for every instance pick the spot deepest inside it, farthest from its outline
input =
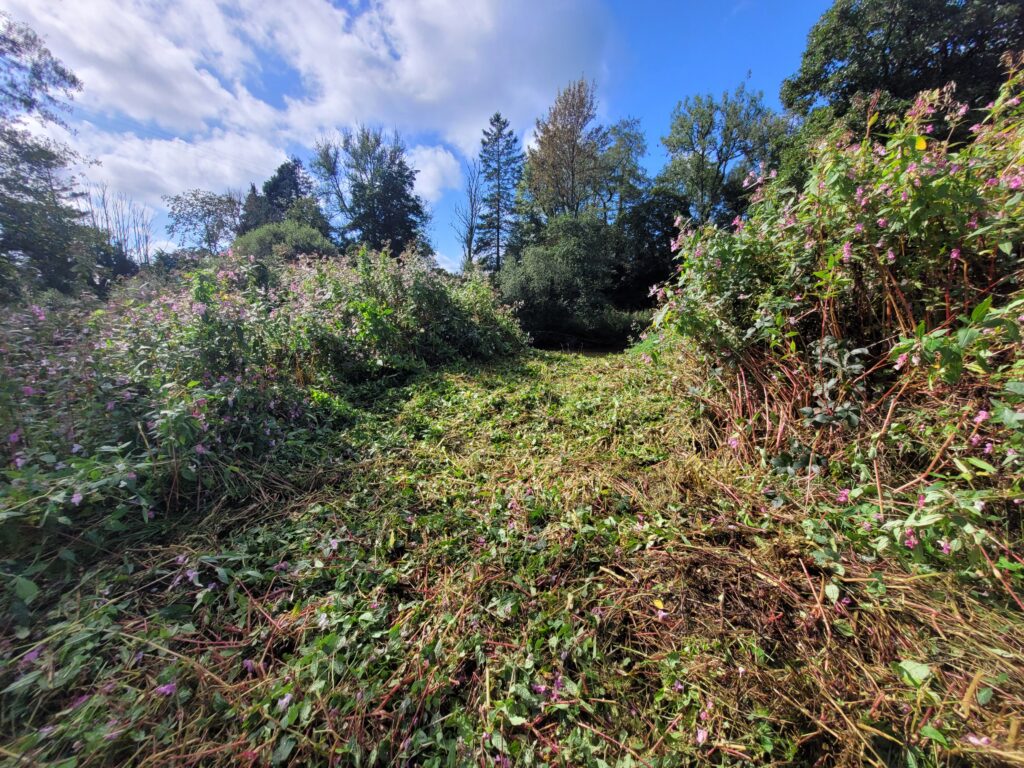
(1006, 247)
(832, 592)
(984, 695)
(930, 732)
(981, 310)
(284, 749)
(982, 464)
(915, 672)
(25, 589)
(516, 720)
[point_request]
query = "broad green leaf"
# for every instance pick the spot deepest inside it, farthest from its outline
(25, 589)
(930, 732)
(915, 672)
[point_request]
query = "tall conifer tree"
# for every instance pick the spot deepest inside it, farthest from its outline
(501, 165)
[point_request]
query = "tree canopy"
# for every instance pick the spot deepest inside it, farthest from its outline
(369, 186)
(902, 47)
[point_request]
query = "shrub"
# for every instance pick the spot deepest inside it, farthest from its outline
(561, 285)
(207, 379)
(867, 328)
(285, 240)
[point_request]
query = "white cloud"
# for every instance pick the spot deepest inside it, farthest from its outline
(447, 262)
(148, 168)
(438, 170)
(182, 93)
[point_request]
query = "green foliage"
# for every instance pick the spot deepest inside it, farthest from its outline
(200, 385)
(202, 219)
(45, 243)
(561, 285)
(501, 170)
(565, 171)
(877, 312)
(888, 233)
(32, 81)
(900, 49)
(369, 185)
(286, 240)
(543, 545)
(714, 146)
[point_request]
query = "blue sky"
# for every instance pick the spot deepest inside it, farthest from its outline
(196, 93)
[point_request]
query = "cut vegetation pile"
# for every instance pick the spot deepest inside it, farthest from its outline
(537, 562)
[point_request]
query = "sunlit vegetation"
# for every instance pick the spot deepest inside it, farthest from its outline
(291, 494)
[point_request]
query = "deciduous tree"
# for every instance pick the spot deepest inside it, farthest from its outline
(203, 219)
(902, 47)
(713, 144)
(368, 184)
(566, 170)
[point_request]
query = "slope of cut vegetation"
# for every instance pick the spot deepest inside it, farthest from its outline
(543, 561)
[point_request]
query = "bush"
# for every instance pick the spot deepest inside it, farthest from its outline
(867, 328)
(286, 240)
(114, 414)
(885, 237)
(561, 285)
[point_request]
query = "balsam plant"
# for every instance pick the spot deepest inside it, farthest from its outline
(866, 329)
(186, 389)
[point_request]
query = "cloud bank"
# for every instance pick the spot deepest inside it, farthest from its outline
(192, 93)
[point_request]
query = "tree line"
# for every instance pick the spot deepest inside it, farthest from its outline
(573, 228)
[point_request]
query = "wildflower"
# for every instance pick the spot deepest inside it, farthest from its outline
(76, 448)
(954, 254)
(702, 735)
(38, 312)
(858, 228)
(677, 687)
(249, 665)
(333, 544)
(167, 689)
(901, 361)
(281, 567)
(847, 252)
(283, 702)
(890, 256)
(920, 501)
(882, 223)
(29, 391)
(15, 437)
(76, 498)
(734, 442)
(989, 447)
(201, 449)
(910, 539)
(843, 496)
(945, 547)
(662, 614)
